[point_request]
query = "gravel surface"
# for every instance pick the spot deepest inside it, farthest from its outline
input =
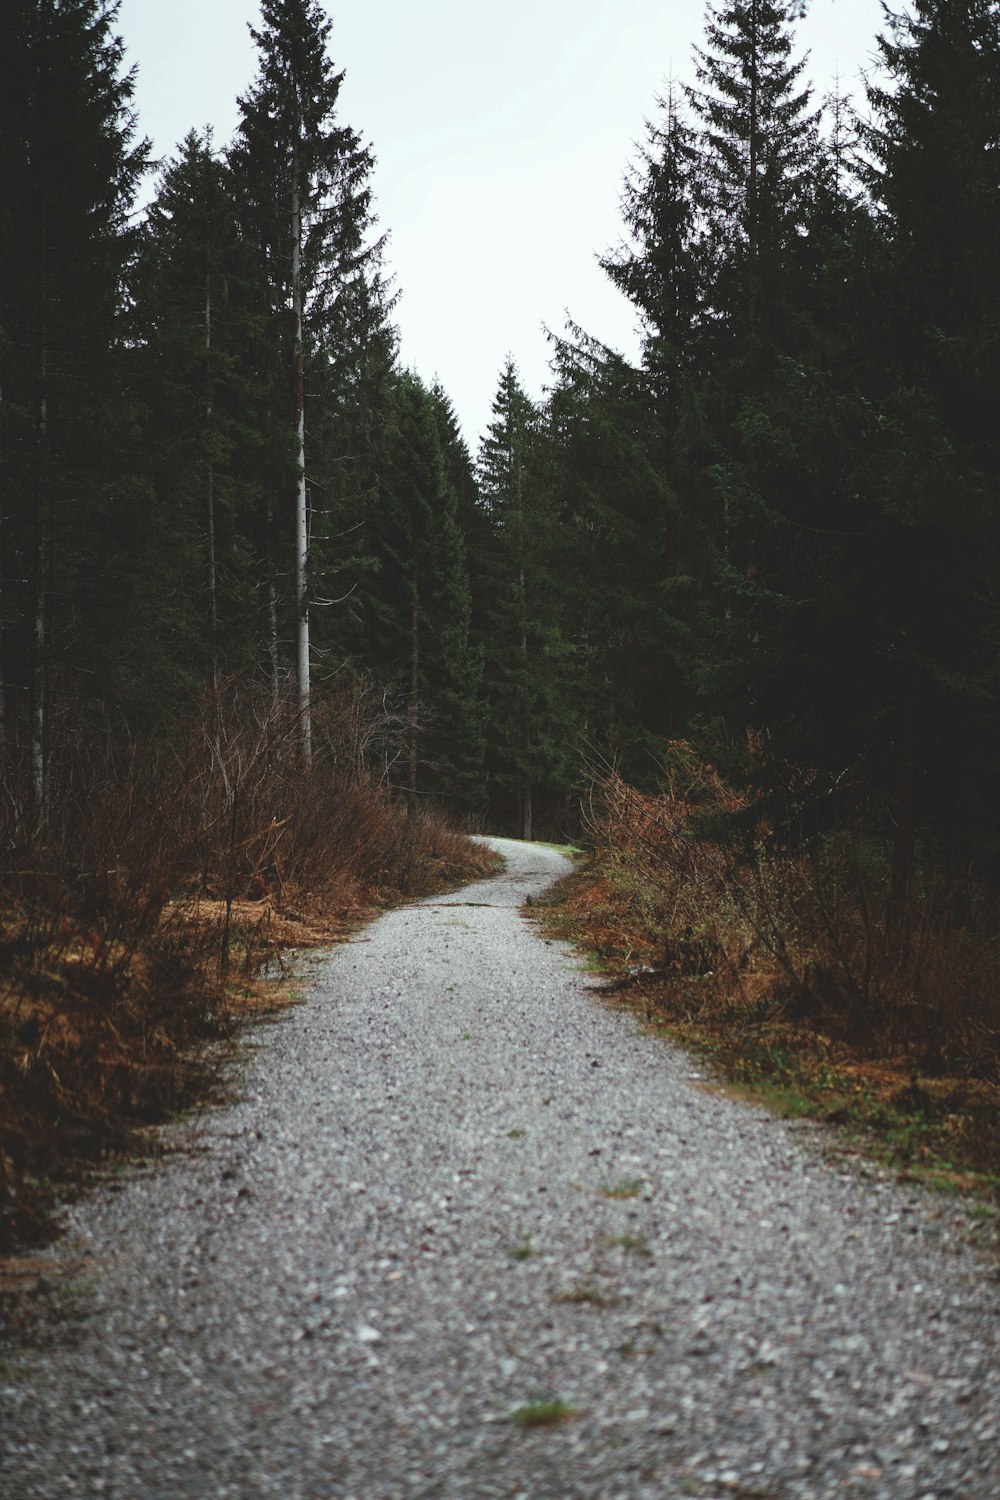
(457, 1184)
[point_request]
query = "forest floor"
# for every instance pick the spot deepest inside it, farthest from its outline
(466, 1230)
(943, 1131)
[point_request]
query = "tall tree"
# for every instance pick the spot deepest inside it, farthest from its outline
(532, 730)
(191, 294)
(71, 166)
(418, 604)
(303, 178)
(760, 145)
(934, 141)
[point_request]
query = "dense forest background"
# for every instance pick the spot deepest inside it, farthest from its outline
(775, 537)
(727, 613)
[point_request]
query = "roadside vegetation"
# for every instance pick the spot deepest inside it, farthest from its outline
(772, 538)
(139, 911)
(795, 967)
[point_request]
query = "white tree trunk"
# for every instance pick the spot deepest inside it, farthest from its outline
(302, 504)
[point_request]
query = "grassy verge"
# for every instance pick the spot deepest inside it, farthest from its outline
(815, 1011)
(139, 914)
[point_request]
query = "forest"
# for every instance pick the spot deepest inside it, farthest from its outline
(727, 614)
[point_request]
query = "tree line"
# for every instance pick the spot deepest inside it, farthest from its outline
(773, 534)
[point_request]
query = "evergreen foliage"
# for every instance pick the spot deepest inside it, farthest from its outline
(69, 475)
(776, 532)
(417, 628)
(305, 210)
(534, 720)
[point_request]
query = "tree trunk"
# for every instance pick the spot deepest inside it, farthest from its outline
(414, 697)
(3, 686)
(42, 584)
(213, 610)
(272, 609)
(753, 206)
(905, 838)
(302, 504)
(525, 777)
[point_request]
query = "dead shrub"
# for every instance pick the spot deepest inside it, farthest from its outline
(807, 933)
(162, 872)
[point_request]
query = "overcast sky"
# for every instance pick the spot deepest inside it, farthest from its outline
(501, 134)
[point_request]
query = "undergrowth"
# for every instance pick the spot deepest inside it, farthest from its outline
(140, 904)
(794, 969)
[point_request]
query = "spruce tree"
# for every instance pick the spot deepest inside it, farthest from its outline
(532, 725)
(303, 185)
(71, 164)
(934, 141)
(624, 591)
(191, 294)
(661, 266)
(418, 605)
(760, 155)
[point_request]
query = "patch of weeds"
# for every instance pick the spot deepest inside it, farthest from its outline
(636, 1244)
(586, 1296)
(522, 1250)
(12, 1363)
(516, 1135)
(545, 1413)
(594, 963)
(467, 1036)
(626, 1187)
(80, 1288)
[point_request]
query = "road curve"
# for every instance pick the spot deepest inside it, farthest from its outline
(456, 1185)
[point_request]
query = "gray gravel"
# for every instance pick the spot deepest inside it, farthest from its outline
(456, 1183)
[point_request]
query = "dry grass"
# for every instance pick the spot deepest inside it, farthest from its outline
(794, 970)
(136, 917)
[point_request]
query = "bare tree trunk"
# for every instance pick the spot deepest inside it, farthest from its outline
(3, 685)
(414, 698)
(272, 610)
(525, 776)
(302, 503)
(42, 582)
(213, 609)
(905, 839)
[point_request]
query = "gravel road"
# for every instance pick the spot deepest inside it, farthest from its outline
(455, 1184)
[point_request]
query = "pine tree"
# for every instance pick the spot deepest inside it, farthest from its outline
(661, 267)
(303, 182)
(650, 434)
(532, 725)
(760, 154)
(935, 141)
(934, 138)
(191, 293)
(71, 166)
(418, 604)
(625, 595)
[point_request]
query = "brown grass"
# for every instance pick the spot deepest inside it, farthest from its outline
(792, 968)
(137, 916)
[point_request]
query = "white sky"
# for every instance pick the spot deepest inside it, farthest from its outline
(501, 135)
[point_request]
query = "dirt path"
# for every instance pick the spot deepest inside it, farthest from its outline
(457, 1186)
